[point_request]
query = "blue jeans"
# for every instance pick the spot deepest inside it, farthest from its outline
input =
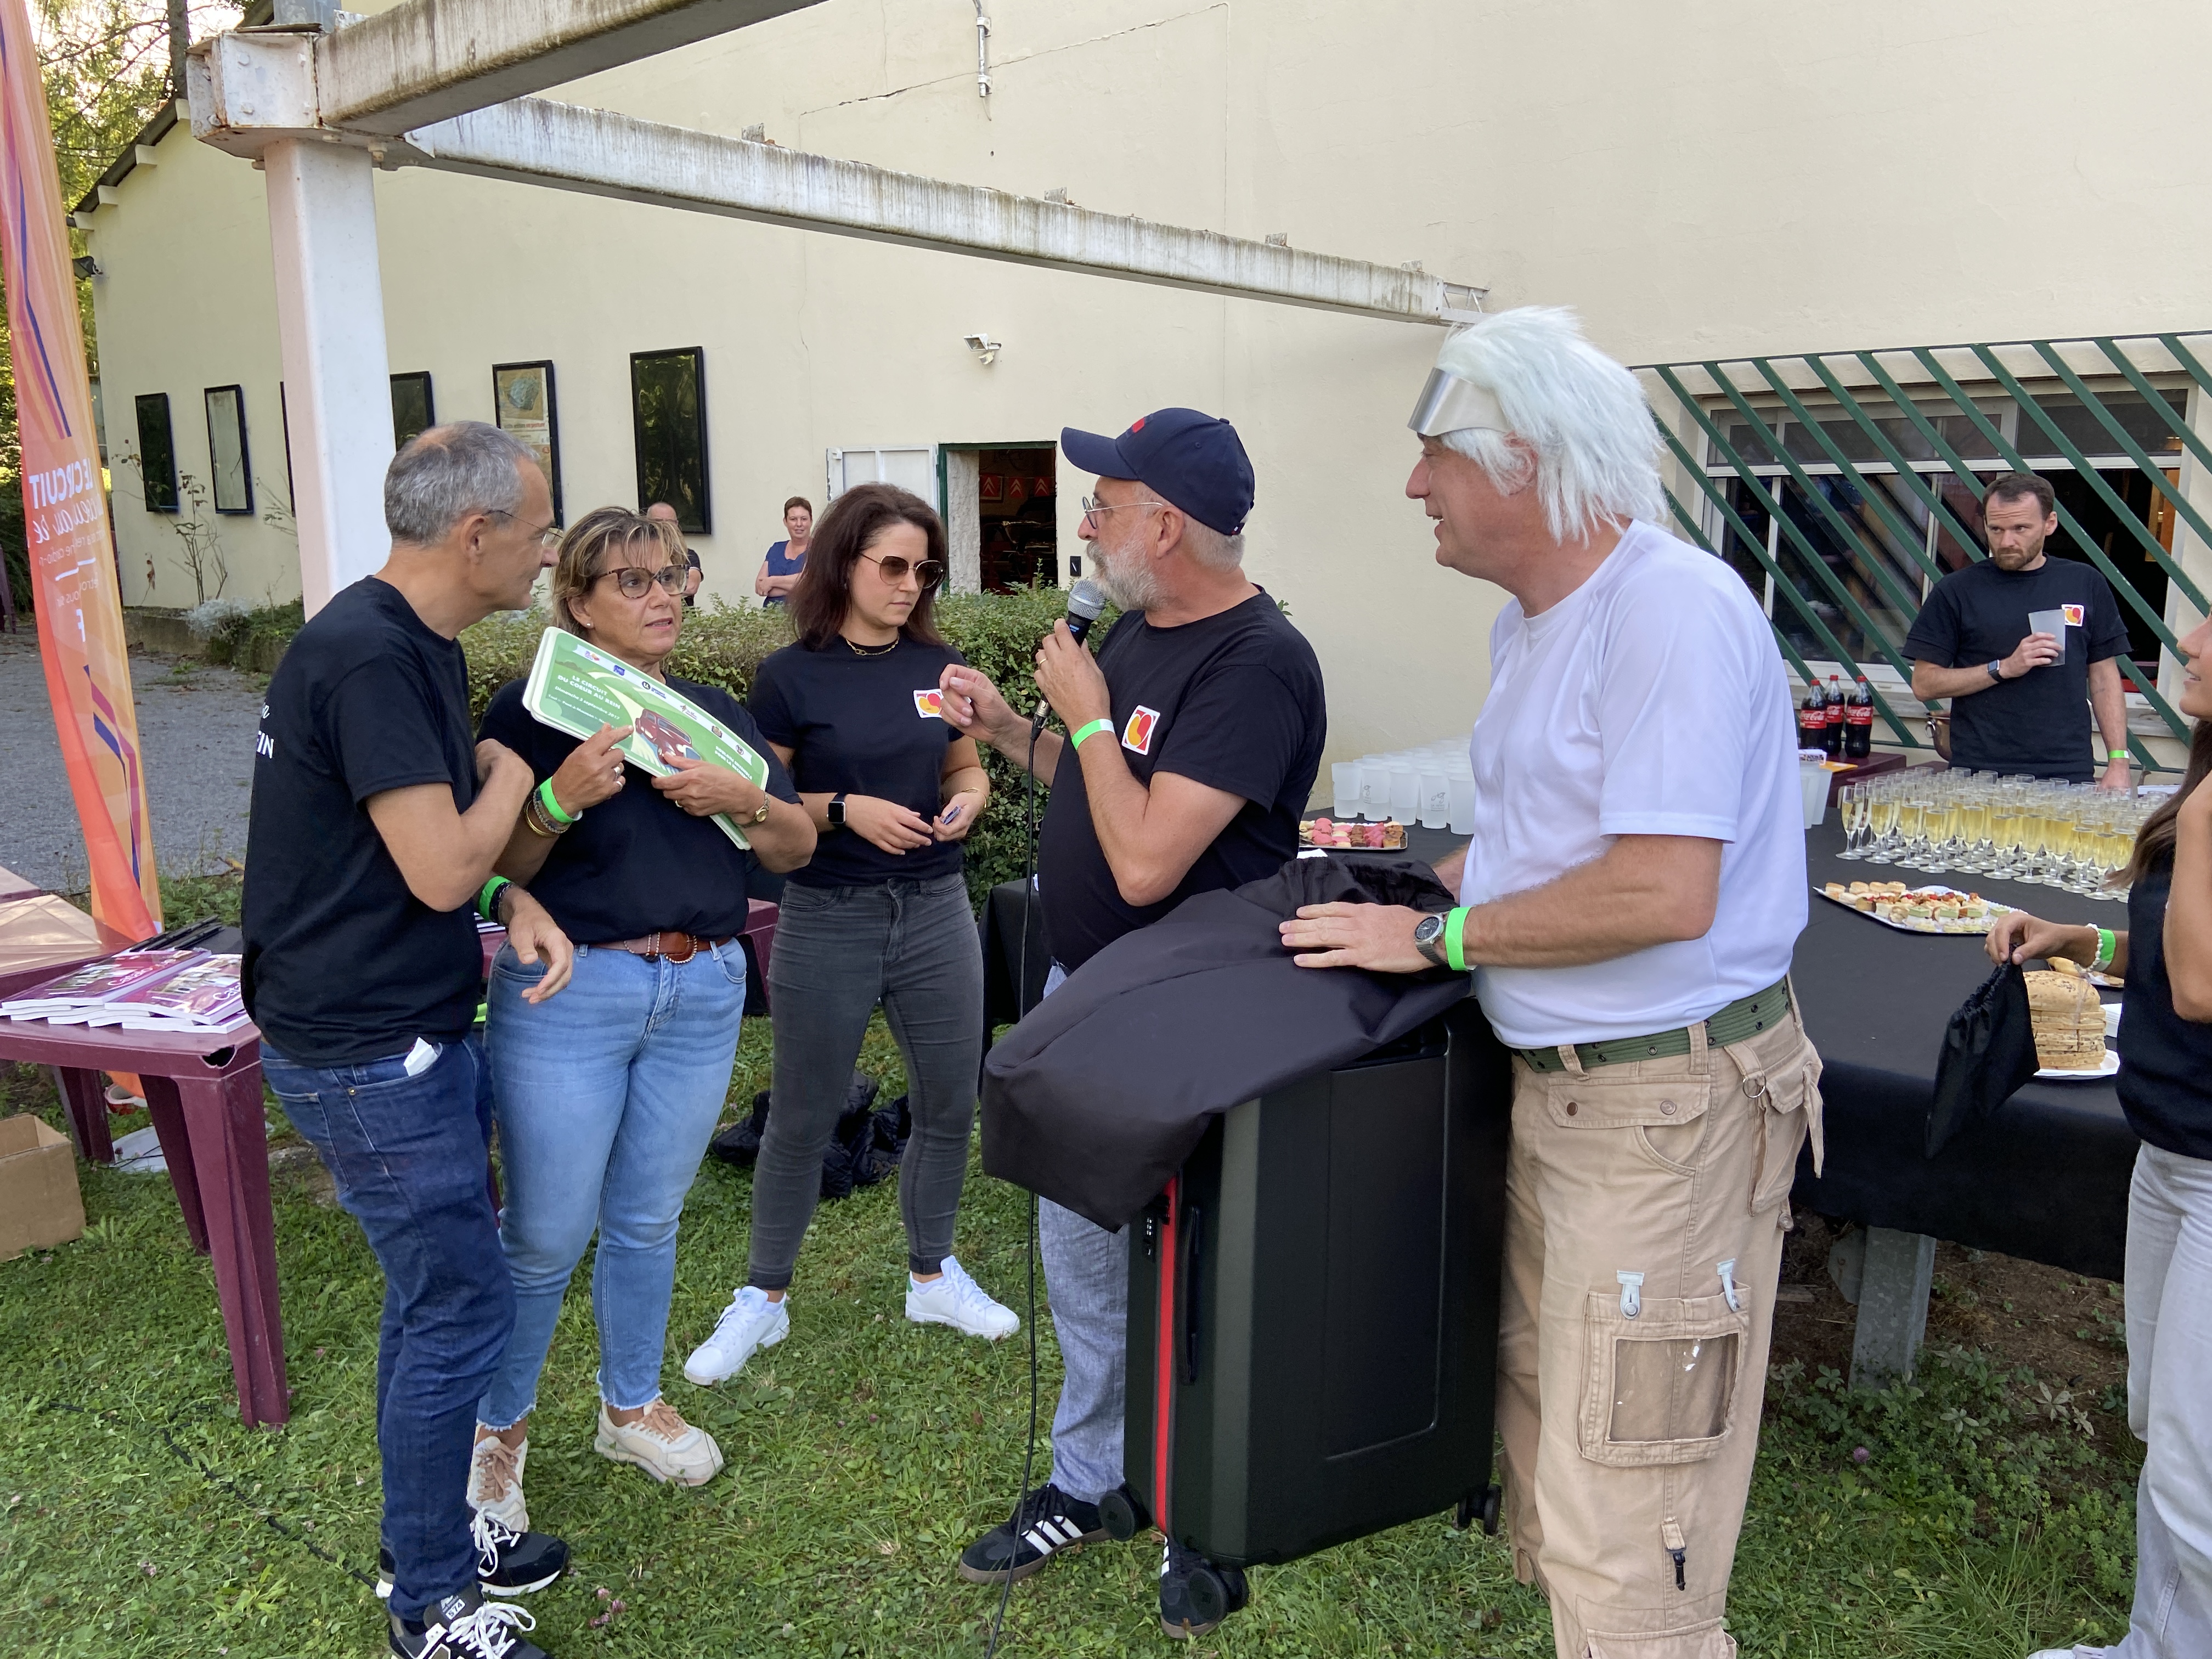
(409, 1156)
(606, 1094)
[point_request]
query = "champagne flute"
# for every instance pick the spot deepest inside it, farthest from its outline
(1856, 809)
(1911, 829)
(1884, 809)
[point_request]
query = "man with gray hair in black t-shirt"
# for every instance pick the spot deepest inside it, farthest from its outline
(1195, 736)
(2023, 644)
(376, 822)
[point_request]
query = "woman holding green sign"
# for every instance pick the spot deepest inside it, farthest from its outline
(880, 916)
(605, 1101)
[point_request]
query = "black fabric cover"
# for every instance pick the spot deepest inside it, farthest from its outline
(1096, 1097)
(1989, 1052)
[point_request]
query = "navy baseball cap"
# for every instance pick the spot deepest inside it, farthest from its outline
(1192, 461)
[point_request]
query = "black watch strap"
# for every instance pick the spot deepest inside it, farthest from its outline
(835, 813)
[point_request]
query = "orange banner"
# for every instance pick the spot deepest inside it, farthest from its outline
(73, 576)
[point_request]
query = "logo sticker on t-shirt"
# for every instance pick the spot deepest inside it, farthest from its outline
(1137, 735)
(929, 704)
(2074, 614)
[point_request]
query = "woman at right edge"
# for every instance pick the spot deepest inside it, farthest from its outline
(880, 915)
(2165, 955)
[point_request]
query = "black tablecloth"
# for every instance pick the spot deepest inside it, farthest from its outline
(2045, 1180)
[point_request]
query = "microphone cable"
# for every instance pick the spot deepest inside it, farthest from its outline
(1032, 910)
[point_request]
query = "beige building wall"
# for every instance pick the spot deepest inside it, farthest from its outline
(1696, 179)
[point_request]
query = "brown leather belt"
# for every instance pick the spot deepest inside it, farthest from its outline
(676, 947)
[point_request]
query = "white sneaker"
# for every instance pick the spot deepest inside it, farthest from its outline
(662, 1444)
(958, 1301)
(495, 1482)
(751, 1321)
(2070, 1653)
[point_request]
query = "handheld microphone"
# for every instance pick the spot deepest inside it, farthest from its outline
(1084, 601)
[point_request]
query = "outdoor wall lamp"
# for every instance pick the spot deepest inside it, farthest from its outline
(985, 348)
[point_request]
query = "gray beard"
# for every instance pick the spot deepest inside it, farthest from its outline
(1129, 590)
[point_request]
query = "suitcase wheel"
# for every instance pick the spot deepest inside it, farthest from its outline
(1215, 1593)
(1490, 1503)
(1484, 1509)
(1123, 1515)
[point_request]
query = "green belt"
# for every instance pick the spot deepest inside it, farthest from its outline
(1745, 1017)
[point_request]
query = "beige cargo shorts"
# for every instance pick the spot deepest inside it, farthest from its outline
(1646, 1204)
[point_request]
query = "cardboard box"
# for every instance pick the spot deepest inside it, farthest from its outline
(39, 1204)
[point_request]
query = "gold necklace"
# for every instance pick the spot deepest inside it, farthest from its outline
(869, 650)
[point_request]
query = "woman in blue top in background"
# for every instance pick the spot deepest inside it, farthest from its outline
(2165, 1086)
(780, 571)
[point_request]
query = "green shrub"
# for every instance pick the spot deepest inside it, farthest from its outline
(721, 645)
(256, 639)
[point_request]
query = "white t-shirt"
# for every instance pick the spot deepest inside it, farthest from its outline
(1648, 701)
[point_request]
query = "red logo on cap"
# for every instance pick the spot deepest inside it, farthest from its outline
(1137, 425)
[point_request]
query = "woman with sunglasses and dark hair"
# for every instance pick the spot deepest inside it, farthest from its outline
(880, 916)
(606, 1100)
(2165, 955)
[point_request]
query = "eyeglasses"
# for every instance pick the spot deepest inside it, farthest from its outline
(634, 581)
(928, 573)
(547, 537)
(1093, 506)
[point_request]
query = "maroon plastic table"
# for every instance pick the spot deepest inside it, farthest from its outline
(205, 1102)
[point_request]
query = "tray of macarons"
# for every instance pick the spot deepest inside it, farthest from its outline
(1916, 909)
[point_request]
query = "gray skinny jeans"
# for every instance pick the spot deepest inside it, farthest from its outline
(911, 945)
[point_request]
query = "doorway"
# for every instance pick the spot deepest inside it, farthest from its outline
(1002, 514)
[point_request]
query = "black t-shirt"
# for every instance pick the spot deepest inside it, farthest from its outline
(2165, 1060)
(864, 726)
(2038, 723)
(342, 962)
(636, 863)
(1233, 701)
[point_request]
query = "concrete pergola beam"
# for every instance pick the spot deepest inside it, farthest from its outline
(426, 61)
(538, 142)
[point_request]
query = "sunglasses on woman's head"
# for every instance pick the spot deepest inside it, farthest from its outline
(635, 581)
(928, 573)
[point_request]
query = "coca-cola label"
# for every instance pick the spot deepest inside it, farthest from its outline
(1859, 714)
(1835, 713)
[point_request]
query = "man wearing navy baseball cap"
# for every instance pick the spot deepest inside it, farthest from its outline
(1196, 734)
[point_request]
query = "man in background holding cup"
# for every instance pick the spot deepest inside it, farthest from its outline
(2022, 643)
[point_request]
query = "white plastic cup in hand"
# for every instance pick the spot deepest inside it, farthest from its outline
(1435, 800)
(1344, 778)
(2052, 623)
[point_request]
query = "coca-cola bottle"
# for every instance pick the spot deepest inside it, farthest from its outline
(1832, 738)
(1858, 722)
(1813, 719)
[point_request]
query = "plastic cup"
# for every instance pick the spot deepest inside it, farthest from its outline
(1405, 792)
(1435, 800)
(1463, 805)
(1373, 789)
(1344, 780)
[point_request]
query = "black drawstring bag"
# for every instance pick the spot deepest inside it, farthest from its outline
(1989, 1053)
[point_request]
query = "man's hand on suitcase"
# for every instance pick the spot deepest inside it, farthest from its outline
(1379, 936)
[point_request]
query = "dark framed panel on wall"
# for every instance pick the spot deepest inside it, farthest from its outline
(522, 395)
(230, 465)
(157, 452)
(668, 413)
(413, 410)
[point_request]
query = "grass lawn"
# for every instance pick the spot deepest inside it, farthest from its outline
(1989, 1516)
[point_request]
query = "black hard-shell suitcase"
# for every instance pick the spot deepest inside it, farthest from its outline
(1313, 1307)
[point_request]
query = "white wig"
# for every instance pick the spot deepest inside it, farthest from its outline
(1595, 449)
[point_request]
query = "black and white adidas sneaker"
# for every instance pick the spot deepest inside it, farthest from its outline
(508, 1563)
(1047, 1522)
(466, 1626)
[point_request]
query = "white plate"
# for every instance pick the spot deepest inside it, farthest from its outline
(1973, 929)
(2111, 1064)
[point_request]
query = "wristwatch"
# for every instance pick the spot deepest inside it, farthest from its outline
(1997, 672)
(1429, 937)
(835, 812)
(760, 816)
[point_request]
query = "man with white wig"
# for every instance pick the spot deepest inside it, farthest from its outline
(1628, 905)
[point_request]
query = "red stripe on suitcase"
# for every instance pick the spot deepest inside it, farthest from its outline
(1163, 1360)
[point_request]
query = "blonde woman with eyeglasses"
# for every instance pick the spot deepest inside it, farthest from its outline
(880, 917)
(605, 1103)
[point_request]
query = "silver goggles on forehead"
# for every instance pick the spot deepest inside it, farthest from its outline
(1448, 403)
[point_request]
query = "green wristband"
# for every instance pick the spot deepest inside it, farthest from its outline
(2115, 754)
(1455, 941)
(488, 899)
(2108, 946)
(545, 799)
(1076, 742)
